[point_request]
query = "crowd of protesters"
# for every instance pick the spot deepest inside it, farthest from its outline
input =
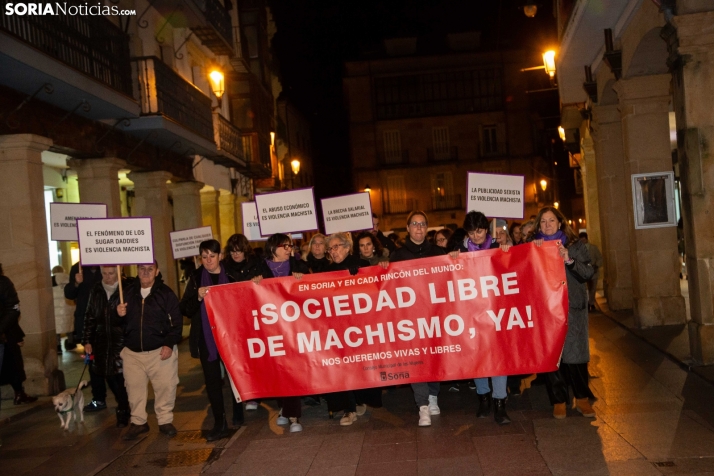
(135, 341)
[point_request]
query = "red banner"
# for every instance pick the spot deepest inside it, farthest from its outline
(484, 314)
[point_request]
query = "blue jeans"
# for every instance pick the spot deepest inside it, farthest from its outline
(499, 386)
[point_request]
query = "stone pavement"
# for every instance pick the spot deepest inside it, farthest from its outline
(654, 418)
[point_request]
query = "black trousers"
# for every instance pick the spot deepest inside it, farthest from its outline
(116, 385)
(573, 375)
(214, 386)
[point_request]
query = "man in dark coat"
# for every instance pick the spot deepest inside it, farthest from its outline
(78, 289)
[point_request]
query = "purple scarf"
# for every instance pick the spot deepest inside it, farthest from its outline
(558, 235)
(207, 333)
(483, 246)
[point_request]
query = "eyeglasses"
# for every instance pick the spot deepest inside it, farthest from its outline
(334, 248)
(418, 224)
(286, 246)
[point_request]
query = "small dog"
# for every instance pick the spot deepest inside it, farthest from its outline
(68, 402)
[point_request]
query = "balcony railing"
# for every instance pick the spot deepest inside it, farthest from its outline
(228, 137)
(403, 205)
(165, 92)
(89, 44)
(218, 37)
(445, 202)
(442, 155)
(393, 160)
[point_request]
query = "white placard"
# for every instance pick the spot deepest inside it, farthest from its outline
(63, 218)
(286, 212)
(113, 241)
(496, 196)
(347, 213)
(251, 228)
(184, 243)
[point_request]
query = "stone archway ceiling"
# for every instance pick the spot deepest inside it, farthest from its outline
(583, 41)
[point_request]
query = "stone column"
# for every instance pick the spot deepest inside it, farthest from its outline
(98, 182)
(187, 204)
(644, 109)
(210, 211)
(227, 207)
(24, 255)
(614, 226)
(592, 203)
(691, 48)
(151, 199)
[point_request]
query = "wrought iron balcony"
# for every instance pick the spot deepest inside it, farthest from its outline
(442, 155)
(90, 44)
(445, 202)
(165, 92)
(218, 34)
(403, 205)
(229, 139)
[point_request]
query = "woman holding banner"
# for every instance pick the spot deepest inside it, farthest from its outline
(416, 246)
(370, 249)
(201, 341)
(281, 263)
(317, 257)
(353, 402)
(551, 225)
(477, 239)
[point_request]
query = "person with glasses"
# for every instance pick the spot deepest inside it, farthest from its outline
(416, 246)
(441, 239)
(280, 263)
(212, 271)
(353, 402)
(317, 259)
(152, 324)
(478, 239)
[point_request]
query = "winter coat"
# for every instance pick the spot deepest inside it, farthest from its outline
(104, 330)
(80, 292)
(191, 308)
(411, 250)
(243, 271)
(10, 330)
(375, 259)
(296, 266)
(64, 308)
(152, 322)
(351, 263)
(386, 242)
(317, 265)
(577, 346)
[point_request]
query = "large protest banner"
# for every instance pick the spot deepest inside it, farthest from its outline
(433, 319)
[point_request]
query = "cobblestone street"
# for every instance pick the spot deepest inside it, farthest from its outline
(653, 418)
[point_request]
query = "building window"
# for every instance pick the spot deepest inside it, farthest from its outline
(392, 147)
(396, 196)
(442, 192)
(440, 141)
(489, 140)
(444, 93)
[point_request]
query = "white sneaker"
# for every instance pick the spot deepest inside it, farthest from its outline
(251, 405)
(433, 405)
(348, 419)
(281, 419)
(361, 410)
(424, 418)
(294, 425)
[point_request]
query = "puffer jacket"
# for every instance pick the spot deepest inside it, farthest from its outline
(243, 271)
(104, 331)
(411, 250)
(153, 322)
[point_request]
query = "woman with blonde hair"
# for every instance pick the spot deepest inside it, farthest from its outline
(551, 225)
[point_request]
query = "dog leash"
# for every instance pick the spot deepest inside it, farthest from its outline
(87, 359)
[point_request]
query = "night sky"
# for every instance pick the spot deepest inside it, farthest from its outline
(315, 37)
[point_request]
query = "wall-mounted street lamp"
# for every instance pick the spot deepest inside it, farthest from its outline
(561, 133)
(530, 8)
(217, 84)
(367, 188)
(549, 62)
(295, 165)
(556, 205)
(543, 184)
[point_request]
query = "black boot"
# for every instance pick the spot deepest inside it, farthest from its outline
(484, 405)
(22, 397)
(499, 411)
(238, 419)
(219, 431)
(123, 418)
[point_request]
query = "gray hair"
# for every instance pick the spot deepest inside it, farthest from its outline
(343, 238)
(317, 235)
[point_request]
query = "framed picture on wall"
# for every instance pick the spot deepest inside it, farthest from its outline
(653, 200)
